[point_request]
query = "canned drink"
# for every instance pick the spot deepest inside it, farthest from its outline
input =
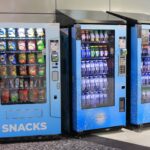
(97, 68)
(87, 65)
(92, 67)
(83, 101)
(83, 85)
(87, 50)
(83, 68)
(92, 84)
(87, 81)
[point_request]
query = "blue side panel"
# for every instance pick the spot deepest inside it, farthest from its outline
(102, 117)
(140, 112)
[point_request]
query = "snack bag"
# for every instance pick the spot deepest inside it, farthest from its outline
(31, 45)
(12, 71)
(14, 96)
(12, 45)
(40, 45)
(23, 95)
(32, 70)
(30, 32)
(11, 83)
(21, 32)
(2, 45)
(40, 32)
(42, 94)
(26, 84)
(21, 81)
(40, 59)
(22, 45)
(23, 70)
(2, 32)
(22, 58)
(3, 59)
(41, 71)
(11, 32)
(31, 58)
(3, 71)
(33, 95)
(5, 96)
(12, 59)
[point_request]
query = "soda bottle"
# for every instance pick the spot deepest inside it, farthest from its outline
(83, 68)
(148, 63)
(96, 65)
(101, 83)
(101, 51)
(83, 101)
(97, 83)
(143, 80)
(146, 79)
(87, 35)
(105, 67)
(88, 53)
(105, 51)
(148, 50)
(92, 51)
(105, 82)
(105, 97)
(92, 36)
(105, 36)
(92, 95)
(143, 95)
(87, 82)
(92, 84)
(83, 85)
(97, 38)
(101, 66)
(101, 37)
(83, 51)
(92, 67)
(96, 51)
(97, 99)
(101, 100)
(88, 99)
(88, 67)
(83, 35)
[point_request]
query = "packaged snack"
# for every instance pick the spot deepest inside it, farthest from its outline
(40, 45)
(22, 45)
(31, 58)
(3, 71)
(23, 70)
(26, 84)
(21, 32)
(5, 96)
(41, 71)
(22, 58)
(40, 32)
(12, 71)
(2, 45)
(32, 70)
(11, 32)
(11, 83)
(23, 95)
(2, 84)
(35, 83)
(21, 85)
(3, 59)
(42, 94)
(14, 96)
(40, 59)
(30, 32)
(2, 32)
(17, 83)
(31, 83)
(12, 45)
(33, 95)
(31, 45)
(12, 59)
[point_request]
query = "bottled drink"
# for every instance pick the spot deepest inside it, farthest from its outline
(148, 64)
(96, 51)
(83, 101)
(83, 51)
(101, 100)
(93, 99)
(101, 83)
(143, 95)
(101, 37)
(101, 51)
(105, 36)
(97, 83)
(92, 51)
(97, 69)
(92, 36)
(92, 83)
(87, 82)
(88, 99)
(105, 82)
(101, 66)
(88, 53)
(83, 85)
(149, 50)
(146, 79)
(105, 67)
(87, 65)
(105, 97)
(82, 35)
(97, 99)
(105, 51)
(87, 35)
(83, 68)
(92, 67)
(97, 38)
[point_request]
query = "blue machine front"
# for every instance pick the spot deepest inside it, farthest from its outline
(99, 82)
(140, 87)
(30, 80)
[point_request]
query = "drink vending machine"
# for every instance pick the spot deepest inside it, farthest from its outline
(98, 54)
(29, 79)
(139, 32)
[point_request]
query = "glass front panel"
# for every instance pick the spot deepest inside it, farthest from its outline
(145, 70)
(22, 66)
(97, 68)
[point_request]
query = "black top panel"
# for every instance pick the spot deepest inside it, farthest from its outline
(70, 17)
(133, 17)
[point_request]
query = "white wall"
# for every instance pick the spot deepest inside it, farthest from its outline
(49, 5)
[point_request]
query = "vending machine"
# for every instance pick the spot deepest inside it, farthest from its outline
(139, 81)
(98, 54)
(29, 79)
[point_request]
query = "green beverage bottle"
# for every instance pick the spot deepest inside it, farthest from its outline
(92, 51)
(96, 51)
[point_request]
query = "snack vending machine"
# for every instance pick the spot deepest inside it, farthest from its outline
(139, 31)
(98, 42)
(29, 79)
